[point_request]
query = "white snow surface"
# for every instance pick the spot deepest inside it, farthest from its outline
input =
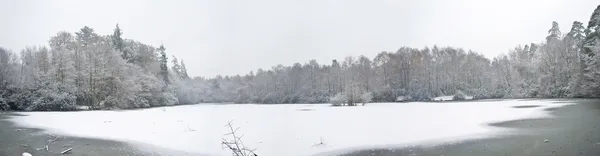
(291, 129)
(443, 98)
(450, 98)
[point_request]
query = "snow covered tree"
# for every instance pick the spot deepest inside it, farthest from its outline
(164, 70)
(554, 33)
(176, 68)
(592, 33)
(183, 71)
(591, 74)
(8, 69)
(119, 44)
(574, 41)
(589, 55)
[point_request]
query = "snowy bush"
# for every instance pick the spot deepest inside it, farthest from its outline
(140, 102)
(481, 93)
(314, 96)
(169, 99)
(459, 96)
(109, 102)
(366, 98)
(4, 104)
(338, 99)
(20, 100)
(271, 98)
(53, 101)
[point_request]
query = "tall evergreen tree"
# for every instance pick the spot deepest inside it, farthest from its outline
(589, 60)
(592, 33)
(164, 69)
(554, 33)
(183, 71)
(119, 44)
(176, 68)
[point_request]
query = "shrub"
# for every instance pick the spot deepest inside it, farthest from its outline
(53, 101)
(109, 102)
(20, 100)
(271, 98)
(459, 96)
(140, 102)
(4, 104)
(338, 99)
(366, 98)
(169, 99)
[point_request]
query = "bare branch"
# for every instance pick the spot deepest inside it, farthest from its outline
(26, 145)
(49, 142)
(320, 143)
(236, 145)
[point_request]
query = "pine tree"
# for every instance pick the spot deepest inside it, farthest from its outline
(164, 70)
(554, 33)
(589, 61)
(176, 67)
(86, 36)
(592, 33)
(119, 44)
(183, 71)
(577, 31)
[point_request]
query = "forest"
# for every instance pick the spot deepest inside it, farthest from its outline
(111, 72)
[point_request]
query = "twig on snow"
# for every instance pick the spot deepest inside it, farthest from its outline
(189, 129)
(320, 143)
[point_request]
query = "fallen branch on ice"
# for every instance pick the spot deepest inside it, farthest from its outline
(26, 145)
(66, 151)
(320, 143)
(49, 142)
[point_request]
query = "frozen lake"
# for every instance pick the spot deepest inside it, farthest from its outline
(293, 129)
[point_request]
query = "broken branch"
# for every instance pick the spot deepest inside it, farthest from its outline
(66, 151)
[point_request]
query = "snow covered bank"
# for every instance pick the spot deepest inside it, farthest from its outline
(285, 129)
(443, 98)
(449, 98)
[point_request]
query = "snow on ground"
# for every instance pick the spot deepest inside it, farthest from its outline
(449, 98)
(443, 98)
(290, 129)
(469, 97)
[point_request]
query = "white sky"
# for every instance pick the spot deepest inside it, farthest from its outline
(230, 37)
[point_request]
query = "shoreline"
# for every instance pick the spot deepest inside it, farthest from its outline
(16, 139)
(573, 130)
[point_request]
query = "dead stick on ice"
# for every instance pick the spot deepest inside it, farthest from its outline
(48, 143)
(321, 143)
(26, 145)
(66, 151)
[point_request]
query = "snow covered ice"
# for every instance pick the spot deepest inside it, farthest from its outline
(292, 129)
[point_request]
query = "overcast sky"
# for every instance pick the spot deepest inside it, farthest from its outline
(230, 37)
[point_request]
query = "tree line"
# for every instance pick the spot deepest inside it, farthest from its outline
(563, 65)
(108, 71)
